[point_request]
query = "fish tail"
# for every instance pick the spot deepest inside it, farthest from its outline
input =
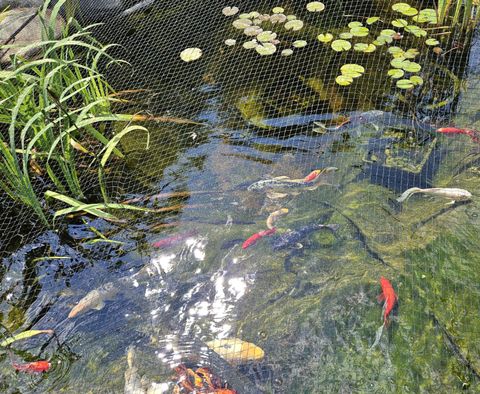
(408, 193)
(378, 336)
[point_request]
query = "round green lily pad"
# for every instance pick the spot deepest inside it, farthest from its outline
(426, 15)
(355, 24)
(254, 14)
(352, 67)
(360, 47)
(397, 63)
(359, 31)
(372, 20)
(341, 45)
(411, 67)
(387, 32)
(291, 17)
(266, 36)
(405, 84)
(327, 37)
(410, 12)
(244, 16)
(396, 73)
(286, 52)
(416, 80)
(395, 50)
(344, 80)
(299, 43)
(278, 18)
(278, 10)
(294, 24)
(241, 24)
(315, 6)
(416, 31)
(250, 44)
(266, 48)
(432, 42)
(411, 53)
(399, 23)
(230, 42)
(229, 11)
(345, 35)
(190, 54)
(370, 48)
(400, 7)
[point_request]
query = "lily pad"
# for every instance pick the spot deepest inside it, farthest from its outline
(341, 45)
(230, 42)
(372, 20)
(299, 44)
(411, 66)
(291, 17)
(250, 44)
(266, 48)
(278, 10)
(327, 37)
(286, 52)
(241, 24)
(396, 73)
(266, 36)
(252, 31)
(387, 32)
(344, 80)
(410, 12)
(359, 31)
(278, 18)
(398, 62)
(416, 31)
(360, 47)
(405, 84)
(426, 15)
(352, 68)
(395, 50)
(371, 48)
(416, 80)
(351, 25)
(229, 11)
(399, 23)
(294, 24)
(190, 54)
(315, 6)
(400, 7)
(432, 42)
(345, 35)
(244, 16)
(254, 14)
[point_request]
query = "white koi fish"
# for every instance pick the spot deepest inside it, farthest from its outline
(451, 193)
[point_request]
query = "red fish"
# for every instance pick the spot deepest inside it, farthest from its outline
(388, 295)
(173, 239)
(454, 130)
(255, 237)
(312, 175)
(33, 367)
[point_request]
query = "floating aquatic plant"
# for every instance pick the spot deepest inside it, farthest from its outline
(266, 48)
(253, 14)
(315, 6)
(278, 10)
(294, 24)
(345, 35)
(266, 36)
(241, 24)
(405, 9)
(341, 45)
(250, 44)
(287, 52)
(399, 22)
(396, 73)
(416, 31)
(344, 80)
(278, 18)
(190, 54)
(291, 17)
(426, 15)
(230, 42)
(299, 43)
(363, 47)
(405, 84)
(252, 31)
(351, 25)
(229, 11)
(327, 37)
(372, 20)
(359, 31)
(432, 42)
(244, 16)
(416, 80)
(352, 70)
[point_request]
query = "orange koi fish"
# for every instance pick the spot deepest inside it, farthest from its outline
(388, 295)
(33, 367)
(454, 130)
(174, 239)
(255, 237)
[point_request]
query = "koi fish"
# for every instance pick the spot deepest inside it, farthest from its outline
(255, 237)
(33, 367)
(388, 295)
(236, 351)
(173, 239)
(95, 299)
(274, 216)
(292, 237)
(473, 134)
(451, 193)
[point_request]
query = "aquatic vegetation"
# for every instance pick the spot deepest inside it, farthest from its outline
(315, 6)
(190, 54)
(266, 49)
(24, 335)
(327, 37)
(294, 24)
(299, 43)
(349, 72)
(229, 11)
(278, 10)
(341, 45)
(287, 52)
(230, 42)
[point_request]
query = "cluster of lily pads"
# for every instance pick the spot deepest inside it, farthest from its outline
(256, 27)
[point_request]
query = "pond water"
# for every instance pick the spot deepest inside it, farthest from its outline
(312, 306)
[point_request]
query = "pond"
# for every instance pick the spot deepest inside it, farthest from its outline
(156, 288)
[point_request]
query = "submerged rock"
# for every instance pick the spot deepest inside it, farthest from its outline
(29, 34)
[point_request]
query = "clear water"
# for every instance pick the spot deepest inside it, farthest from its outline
(311, 308)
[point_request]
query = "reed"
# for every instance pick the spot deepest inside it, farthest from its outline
(53, 115)
(462, 14)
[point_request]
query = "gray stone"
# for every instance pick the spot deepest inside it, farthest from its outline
(30, 34)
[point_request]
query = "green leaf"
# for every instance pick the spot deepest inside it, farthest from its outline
(286, 52)
(400, 7)
(345, 35)
(351, 25)
(388, 32)
(411, 53)
(315, 6)
(396, 73)
(327, 37)
(295, 25)
(410, 12)
(241, 24)
(405, 84)
(432, 42)
(344, 80)
(266, 36)
(24, 335)
(371, 48)
(266, 49)
(411, 66)
(416, 31)
(250, 44)
(278, 10)
(372, 20)
(360, 47)
(352, 68)
(395, 50)
(399, 23)
(341, 45)
(359, 31)
(397, 63)
(416, 80)
(299, 43)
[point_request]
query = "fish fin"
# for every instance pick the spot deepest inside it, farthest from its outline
(408, 193)
(275, 195)
(99, 306)
(378, 336)
(381, 297)
(451, 202)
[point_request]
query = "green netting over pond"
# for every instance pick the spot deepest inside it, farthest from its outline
(259, 150)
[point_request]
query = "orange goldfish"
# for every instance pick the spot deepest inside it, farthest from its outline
(388, 295)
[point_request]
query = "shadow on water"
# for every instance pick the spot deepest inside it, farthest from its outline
(310, 306)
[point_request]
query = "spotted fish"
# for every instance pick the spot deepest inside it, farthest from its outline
(292, 237)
